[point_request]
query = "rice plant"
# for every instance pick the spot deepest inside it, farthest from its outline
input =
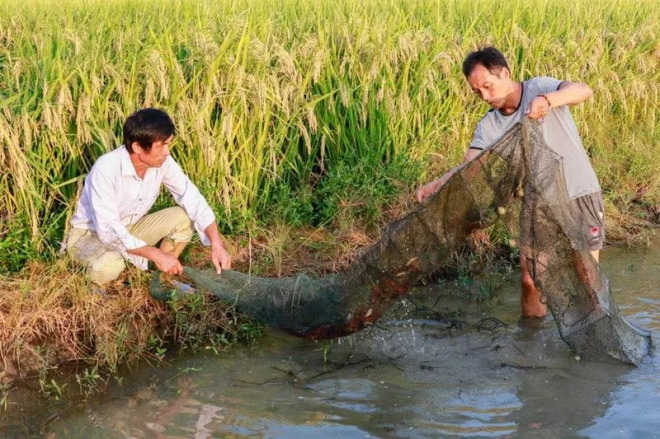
(266, 93)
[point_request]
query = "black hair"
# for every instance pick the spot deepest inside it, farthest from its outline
(489, 57)
(147, 126)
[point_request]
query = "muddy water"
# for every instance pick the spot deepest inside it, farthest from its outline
(438, 366)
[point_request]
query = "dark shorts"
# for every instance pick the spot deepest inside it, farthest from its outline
(589, 210)
(592, 208)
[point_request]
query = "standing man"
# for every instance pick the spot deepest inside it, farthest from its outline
(111, 224)
(545, 99)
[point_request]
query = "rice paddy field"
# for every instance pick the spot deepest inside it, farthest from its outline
(291, 115)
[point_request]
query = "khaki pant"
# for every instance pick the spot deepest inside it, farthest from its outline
(104, 264)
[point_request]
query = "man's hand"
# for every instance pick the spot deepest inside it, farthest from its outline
(539, 108)
(166, 262)
(425, 192)
(220, 257)
(428, 190)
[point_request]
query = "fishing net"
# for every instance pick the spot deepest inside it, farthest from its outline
(519, 180)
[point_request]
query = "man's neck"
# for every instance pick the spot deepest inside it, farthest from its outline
(140, 167)
(513, 99)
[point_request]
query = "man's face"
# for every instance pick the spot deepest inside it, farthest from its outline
(491, 87)
(157, 155)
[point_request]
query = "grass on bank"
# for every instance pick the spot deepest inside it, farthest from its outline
(53, 317)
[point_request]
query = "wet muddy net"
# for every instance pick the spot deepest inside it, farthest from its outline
(519, 180)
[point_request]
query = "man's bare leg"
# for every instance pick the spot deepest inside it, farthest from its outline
(530, 297)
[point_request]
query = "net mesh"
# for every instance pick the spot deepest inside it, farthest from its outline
(519, 180)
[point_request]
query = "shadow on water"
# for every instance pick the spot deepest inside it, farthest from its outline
(436, 366)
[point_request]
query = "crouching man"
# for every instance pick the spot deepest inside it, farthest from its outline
(111, 224)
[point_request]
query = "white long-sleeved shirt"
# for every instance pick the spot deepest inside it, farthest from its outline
(114, 197)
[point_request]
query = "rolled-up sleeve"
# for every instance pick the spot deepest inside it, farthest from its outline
(101, 193)
(187, 195)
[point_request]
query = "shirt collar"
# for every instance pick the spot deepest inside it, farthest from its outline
(127, 168)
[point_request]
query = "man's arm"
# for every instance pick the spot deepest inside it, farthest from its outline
(171, 265)
(187, 195)
(569, 93)
(425, 192)
(164, 261)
